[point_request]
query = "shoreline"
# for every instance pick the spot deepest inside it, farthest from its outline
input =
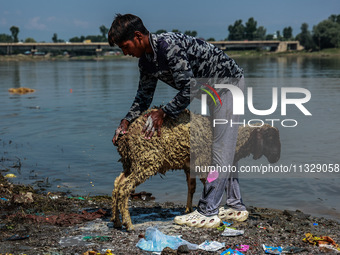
(53, 223)
(325, 53)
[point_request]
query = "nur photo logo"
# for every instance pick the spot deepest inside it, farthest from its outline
(295, 96)
(204, 97)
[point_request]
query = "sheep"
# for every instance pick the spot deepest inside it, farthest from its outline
(143, 158)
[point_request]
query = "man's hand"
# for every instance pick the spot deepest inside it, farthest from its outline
(153, 123)
(123, 127)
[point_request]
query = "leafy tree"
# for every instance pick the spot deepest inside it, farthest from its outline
(327, 33)
(260, 33)
(6, 38)
(287, 33)
(77, 39)
(104, 30)
(236, 31)
(29, 40)
(270, 37)
(305, 37)
(278, 35)
(160, 31)
(15, 31)
(176, 31)
(55, 39)
(95, 38)
(191, 33)
(335, 18)
(211, 39)
(250, 29)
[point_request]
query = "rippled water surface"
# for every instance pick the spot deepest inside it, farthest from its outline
(59, 137)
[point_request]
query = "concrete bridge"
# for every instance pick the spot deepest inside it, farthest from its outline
(14, 48)
(98, 48)
(277, 46)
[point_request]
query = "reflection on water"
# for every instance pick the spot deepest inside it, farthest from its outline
(62, 132)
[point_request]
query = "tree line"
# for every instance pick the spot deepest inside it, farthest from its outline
(326, 34)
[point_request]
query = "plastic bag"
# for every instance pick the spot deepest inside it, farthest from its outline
(232, 232)
(211, 245)
(157, 241)
(243, 247)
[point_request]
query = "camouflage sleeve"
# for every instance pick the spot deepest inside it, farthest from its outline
(144, 96)
(182, 75)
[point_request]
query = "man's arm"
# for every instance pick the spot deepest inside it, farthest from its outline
(182, 75)
(144, 96)
(143, 99)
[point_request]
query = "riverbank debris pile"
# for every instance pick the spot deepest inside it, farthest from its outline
(21, 90)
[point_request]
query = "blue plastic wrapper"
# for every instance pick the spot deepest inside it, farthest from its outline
(272, 250)
(231, 252)
(157, 241)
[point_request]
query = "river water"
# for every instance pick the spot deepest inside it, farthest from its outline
(59, 137)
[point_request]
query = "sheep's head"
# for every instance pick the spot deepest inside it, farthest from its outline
(267, 143)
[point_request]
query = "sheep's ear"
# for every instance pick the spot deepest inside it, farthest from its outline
(258, 144)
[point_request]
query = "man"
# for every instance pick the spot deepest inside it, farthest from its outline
(177, 60)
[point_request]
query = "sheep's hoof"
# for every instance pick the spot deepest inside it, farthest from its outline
(130, 228)
(116, 223)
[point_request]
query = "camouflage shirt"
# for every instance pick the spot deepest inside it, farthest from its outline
(176, 60)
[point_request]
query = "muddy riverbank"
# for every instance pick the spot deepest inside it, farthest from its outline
(57, 223)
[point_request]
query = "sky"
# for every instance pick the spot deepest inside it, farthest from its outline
(40, 19)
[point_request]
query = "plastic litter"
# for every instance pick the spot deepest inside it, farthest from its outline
(107, 252)
(243, 247)
(232, 232)
(271, 249)
(80, 198)
(231, 252)
(17, 237)
(331, 247)
(225, 224)
(211, 245)
(228, 224)
(261, 227)
(310, 238)
(10, 176)
(97, 238)
(156, 241)
(322, 241)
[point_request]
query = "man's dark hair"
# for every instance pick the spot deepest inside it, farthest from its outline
(123, 28)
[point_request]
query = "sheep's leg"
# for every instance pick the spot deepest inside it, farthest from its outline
(115, 211)
(130, 183)
(191, 182)
(258, 144)
(123, 205)
(124, 209)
